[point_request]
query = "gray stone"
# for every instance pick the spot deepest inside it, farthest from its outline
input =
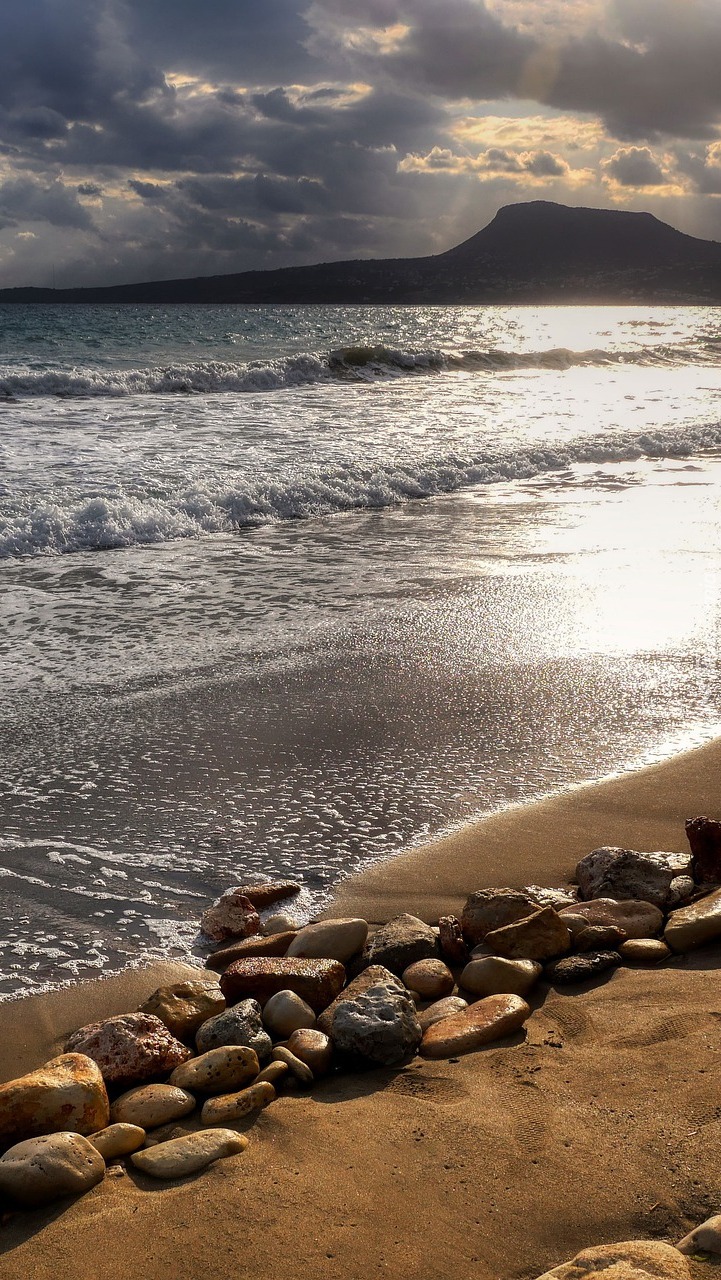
(370, 977)
(242, 1024)
(38, 1171)
(490, 909)
(581, 968)
(401, 942)
(379, 1026)
(681, 890)
(285, 1012)
(610, 872)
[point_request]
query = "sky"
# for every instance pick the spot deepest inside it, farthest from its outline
(151, 139)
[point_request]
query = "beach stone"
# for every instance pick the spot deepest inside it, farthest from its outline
(555, 898)
(451, 941)
(275, 945)
(538, 937)
(378, 1025)
(314, 1048)
(232, 916)
(285, 1012)
(432, 979)
(181, 1157)
(184, 1006)
(681, 891)
(151, 1105)
(581, 968)
(599, 937)
(40, 1170)
(315, 981)
(694, 925)
(704, 837)
(481, 1023)
(231, 1107)
(637, 919)
(630, 1260)
(130, 1048)
(242, 1025)
(370, 977)
(330, 939)
(280, 923)
(610, 872)
(644, 950)
(218, 1070)
(264, 893)
(274, 1073)
(117, 1140)
(706, 1238)
(495, 975)
(66, 1093)
(489, 909)
(300, 1070)
(401, 942)
(439, 1010)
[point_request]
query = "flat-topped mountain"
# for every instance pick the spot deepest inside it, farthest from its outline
(536, 252)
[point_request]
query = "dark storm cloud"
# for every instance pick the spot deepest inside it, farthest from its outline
(25, 200)
(703, 170)
(634, 167)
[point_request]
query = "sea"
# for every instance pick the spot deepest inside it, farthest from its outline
(286, 590)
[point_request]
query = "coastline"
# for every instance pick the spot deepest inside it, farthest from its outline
(600, 1123)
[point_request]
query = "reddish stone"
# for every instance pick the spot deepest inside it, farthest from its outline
(481, 1023)
(264, 893)
(232, 916)
(450, 940)
(130, 1048)
(318, 982)
(704, 837)
(275, 945)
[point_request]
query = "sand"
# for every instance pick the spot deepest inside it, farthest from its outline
(600, 1122)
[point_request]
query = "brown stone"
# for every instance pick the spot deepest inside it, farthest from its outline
(185, 1006)
(541, 936)
(695, 925)
(314, 1048)
(318, 982)
(401, 942)
(218, 1070)
(630, 1260)
(704, 837)
(151, 1105)
(275, 945)
(370, 977)
(441, 1009)
(42, 1169)
(637, 919)
(130, 1048)
(232, 916)
(599, 937)
(265, 892)
(432, 979)
(183, 1156)
(490, 909)
(451, 941)
(644, 950)
(68, 1093)
(481, 1023)
(230, 1107)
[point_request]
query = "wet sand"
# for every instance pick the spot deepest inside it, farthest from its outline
(600, 1122)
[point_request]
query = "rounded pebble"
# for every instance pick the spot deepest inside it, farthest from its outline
(151, 1105)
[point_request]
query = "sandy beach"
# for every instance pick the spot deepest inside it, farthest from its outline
(599, 1122)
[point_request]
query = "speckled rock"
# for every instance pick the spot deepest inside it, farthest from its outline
(637, 919)
(285, 1012)
(610, 872)
(314, 1048)
(38, 1171)
(370, 977)
(706, 1238)
(378, 1025)
(599, 937)
(330, 940)
(692, 926)
(232, 916)
(556, 898)
(704, 837)
(117, 1140)
(680, 892)
(541, 936)
(644, 950)
(67, 1093)
(490, 909)
(218, 1070)
(441, 1009)
(300, 1070)
(318, 982)
(481, 1023)
(231, 1107)
(242, 1025)
(151, 1105)
(432, 979)
(183, 1156)
(401, 942)
(275, 945)
(451, 942)
(581, 968)
(630, 1260)
(184, 1006)
(130, 1048)
(495, 975)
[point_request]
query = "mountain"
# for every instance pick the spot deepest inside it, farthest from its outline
(536, 252)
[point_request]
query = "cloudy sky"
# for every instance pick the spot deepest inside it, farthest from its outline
(146, 139)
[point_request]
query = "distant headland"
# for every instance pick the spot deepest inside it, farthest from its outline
(536, 252)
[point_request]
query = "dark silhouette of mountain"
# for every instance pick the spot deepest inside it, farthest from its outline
(537, 252)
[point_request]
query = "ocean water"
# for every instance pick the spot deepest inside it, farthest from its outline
(286, 590)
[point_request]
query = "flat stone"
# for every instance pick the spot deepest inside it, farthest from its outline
(706, 1238)
(151, 1105)
(285, 1012)
(370, 977)
(541, 936)
(40, 1170)
(451, 942)
(330, 940)
(299, 1069)
(555, 898)
(481, 1023)
(242, 1025)
(630, 1260)
(130, 1048)
(231, 916)
(432, 979)
(599, 937)
(314, 1048)
(184, 1006)
(378, 1026)
(117, 1140)
(180, 1157)
(581, 968)
(401, 942)
(218, 1070)
(489, 909)
(231, 1107)
(495, 975)
(263, 893)
(610, 872)
(67, 1093)
(275, 945)
(439, 1010)
(637, 919)
(318, 982)
(692, 926)
(704, 837)
(644, 950)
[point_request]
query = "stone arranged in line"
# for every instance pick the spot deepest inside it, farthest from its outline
(317, 982)
(130, 1048)
(150, 1105)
